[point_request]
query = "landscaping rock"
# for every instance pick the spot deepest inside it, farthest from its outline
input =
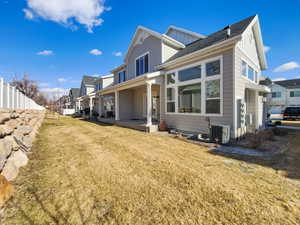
(5, 130)
(6, 146)
(6, 190)
(27, 141)
(19, 158)
(4, 117)
(10, 171)
(24, 130)
(12, 124)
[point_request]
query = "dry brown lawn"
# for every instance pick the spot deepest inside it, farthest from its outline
(86, 173)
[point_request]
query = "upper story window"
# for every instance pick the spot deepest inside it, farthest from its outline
(122, 76)
(244, 69)
(276, 94)
(142, 65)
(213, 68)
(171, 78)
(295, 94)
(248, 72)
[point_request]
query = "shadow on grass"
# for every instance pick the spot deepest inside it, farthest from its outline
(97, 122)
(50, 207)
(288, 162)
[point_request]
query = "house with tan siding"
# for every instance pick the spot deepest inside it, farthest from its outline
(189, 80)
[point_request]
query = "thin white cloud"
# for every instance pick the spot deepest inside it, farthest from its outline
(96, 52)
(54, 93)
(45, 52)
(287, 66)
(69, 12)
(279, 79)
(117, 54)
(61, 80)
(28, 14)
(267, 48)
(43, 84)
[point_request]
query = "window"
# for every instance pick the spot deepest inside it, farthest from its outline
(213, 68)
(122, 76)
(196, 90)
(276, 94)
(248, 72)
(170, 100)
(213, 97)
(189, 74)
(295, 94)
(142, 65)
(189, 98)
(251, 73)
(171, 78)
(244, 69)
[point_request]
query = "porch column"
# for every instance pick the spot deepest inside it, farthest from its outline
(100, 105)
(149, 104)
(91, 107)
(256, 116)
(117, 115)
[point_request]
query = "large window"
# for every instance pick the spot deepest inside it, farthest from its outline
(189, 74)
(196, 89)
(189, 98)
(213, 68)
(213, 96)
(142, 65)
(295, 94)
(248, 72)
(122, 76)
(170, 100)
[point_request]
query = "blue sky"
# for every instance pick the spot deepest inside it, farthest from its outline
(53, 42)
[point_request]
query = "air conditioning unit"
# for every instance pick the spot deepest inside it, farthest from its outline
(220, 133)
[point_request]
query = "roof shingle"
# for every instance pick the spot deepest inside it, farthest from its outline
(219, 36)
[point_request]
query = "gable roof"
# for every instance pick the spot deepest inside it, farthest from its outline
(194, 34)
(162, 37)
(219, 36)
(289, 84)
(89, 80)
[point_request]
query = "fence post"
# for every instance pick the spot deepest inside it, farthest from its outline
(1, 92)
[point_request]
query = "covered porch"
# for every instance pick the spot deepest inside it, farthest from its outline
(137, 103)
(256, 108)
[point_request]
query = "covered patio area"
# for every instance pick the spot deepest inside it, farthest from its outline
(136, 103)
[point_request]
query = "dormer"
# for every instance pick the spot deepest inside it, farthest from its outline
(182, 35)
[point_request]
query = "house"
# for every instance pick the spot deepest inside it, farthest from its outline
(189, 80)
(87, 100)
(284, 94)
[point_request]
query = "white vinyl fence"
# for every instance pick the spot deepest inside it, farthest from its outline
(11, 98)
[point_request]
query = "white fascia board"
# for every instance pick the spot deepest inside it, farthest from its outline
(259, 41)
(200, 52)
(118, 68)
(130, 82)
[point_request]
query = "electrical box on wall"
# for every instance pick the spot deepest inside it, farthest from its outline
(241, 113)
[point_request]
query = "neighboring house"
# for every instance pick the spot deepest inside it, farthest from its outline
(190, 81)
(89, 87)
(284, 94)
(73, 95)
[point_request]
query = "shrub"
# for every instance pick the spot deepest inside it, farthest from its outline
(259, 137)
(279, 131)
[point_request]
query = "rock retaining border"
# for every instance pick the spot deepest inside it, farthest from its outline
(18, 129)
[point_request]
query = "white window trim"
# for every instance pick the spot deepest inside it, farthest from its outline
(201, 80)
(144, 54)
(257, 71)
